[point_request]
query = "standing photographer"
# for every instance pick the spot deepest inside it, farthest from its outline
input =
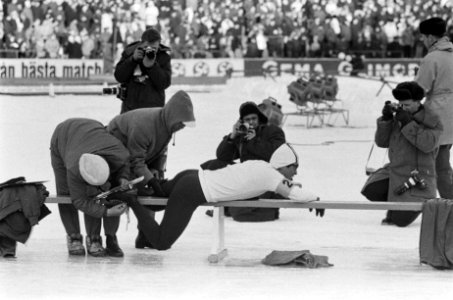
(411, 132)
(436, 77)
(145, 71)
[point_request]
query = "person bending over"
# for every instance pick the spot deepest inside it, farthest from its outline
(191, 188)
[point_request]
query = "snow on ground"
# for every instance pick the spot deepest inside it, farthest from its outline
(369, 260)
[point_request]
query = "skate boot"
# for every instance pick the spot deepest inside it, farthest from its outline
(112, 248)
(141, 242)
(94, 246)
(75, 244)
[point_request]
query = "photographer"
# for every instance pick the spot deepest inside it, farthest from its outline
(145, 72)
(252, 138)
(411, 132)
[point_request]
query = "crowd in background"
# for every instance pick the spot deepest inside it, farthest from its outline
(218, 28)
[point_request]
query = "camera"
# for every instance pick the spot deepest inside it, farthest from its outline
(120, 91)
(243, 128)
(395, 106)
(150, 52)
(413, 181)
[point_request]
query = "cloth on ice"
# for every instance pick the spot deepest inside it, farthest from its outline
(436, 234)
(300, 258)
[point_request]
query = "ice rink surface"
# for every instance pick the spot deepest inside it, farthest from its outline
(370, 261)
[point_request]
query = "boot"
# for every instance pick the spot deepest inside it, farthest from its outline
(141, 242)
(112, 247)
(94, 246)
(75, 244)
(7, 247)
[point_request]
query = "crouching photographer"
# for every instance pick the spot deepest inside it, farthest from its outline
(144, 71)
(411, 133)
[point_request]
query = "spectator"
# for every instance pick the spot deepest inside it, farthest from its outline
(435, 75)
(252, 138)
(145, 70)
(87, 160)
(412, 137)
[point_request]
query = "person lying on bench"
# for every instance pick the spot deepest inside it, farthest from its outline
(191, 188)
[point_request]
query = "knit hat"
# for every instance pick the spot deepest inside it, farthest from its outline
(248, 108)
(151, 35)
(284, 156)
(433, 26)
(94, 169)
(408, 90)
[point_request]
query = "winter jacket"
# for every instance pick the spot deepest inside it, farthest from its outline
(435, 75)
(412, 147)
(70, 140)
(268, 138)
(436, 233)
(146, 132)
(151, 92)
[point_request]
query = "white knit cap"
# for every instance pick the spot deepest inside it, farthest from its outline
(94, 169)
(284, 156)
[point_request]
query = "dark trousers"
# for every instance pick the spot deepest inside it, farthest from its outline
(378, 191)
(185, 196)
(444, 172)
(70, 218)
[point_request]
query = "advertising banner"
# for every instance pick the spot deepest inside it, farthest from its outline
(50, 68)
(210, 67)
(298, 67)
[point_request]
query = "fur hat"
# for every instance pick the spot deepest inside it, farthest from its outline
(151, 35)
(248, 108)
(433, 26)
(284, 156)
(94, 169)
(408, 90)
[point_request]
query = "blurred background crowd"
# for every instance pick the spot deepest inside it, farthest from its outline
(218, 28)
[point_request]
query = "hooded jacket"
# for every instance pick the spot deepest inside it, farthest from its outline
(435, 75)
(150, 93)
(70, 140)
(412, 147)
(146, 132)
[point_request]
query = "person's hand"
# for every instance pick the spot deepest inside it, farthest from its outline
(139, 54)
(234, 133)
(387, 111)
(155, 173)
(116, 210)
(403, 116)
(251, 133)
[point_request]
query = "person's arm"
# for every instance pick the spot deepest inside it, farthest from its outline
(426, 74)
(383, 132)
(294, 191)
(228, 149)
(124, 69)
(422, 137)
(81, 200)
(138, 144)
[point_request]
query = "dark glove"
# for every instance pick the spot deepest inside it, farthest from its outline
(403, 116)
(156, 186)
(387, 111)
(319, 211)
(139, 54)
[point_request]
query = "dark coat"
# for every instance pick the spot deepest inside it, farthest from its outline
(268, 139)
(146, 132)
(412, 147)
(150, 93)
(70, 140)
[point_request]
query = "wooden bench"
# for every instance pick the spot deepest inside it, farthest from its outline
(218, 249)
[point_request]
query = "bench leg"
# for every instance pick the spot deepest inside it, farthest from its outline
(218, 250)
